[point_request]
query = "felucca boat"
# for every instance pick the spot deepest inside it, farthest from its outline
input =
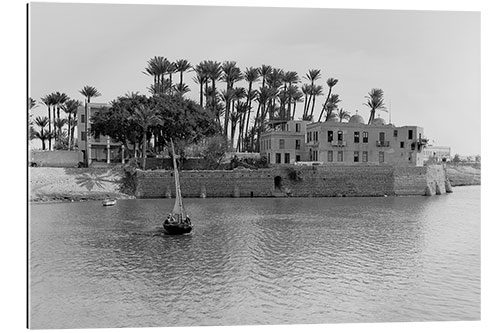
(177, 222)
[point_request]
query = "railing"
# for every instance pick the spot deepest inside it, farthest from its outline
(383, 143)
(312, 143)
(338, 143)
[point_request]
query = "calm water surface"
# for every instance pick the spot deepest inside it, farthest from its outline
(257, 261)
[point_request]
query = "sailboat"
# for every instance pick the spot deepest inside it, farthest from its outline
(177, 222)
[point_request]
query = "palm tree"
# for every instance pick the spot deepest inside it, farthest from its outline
(375, 101)
(331, 105)
(251, 75)
(157, 68)
(89, 92)
(341, 114)
(48, 100)
(145, 117)
(42, 134)
(264, 72)
(306, 91)
(201, 78)
(316, 91)
(182, 65)
(331, 82)
(31, 105)
(312, 75)
(230, 74)
(181, 89)
(264, 95)
(71, 108)
(296, 97)
(214, 72)
(291, 78)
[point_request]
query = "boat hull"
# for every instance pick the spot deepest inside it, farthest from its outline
(177, 229)
(109, 203)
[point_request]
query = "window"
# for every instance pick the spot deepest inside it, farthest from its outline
(340, 156)
(356, 137)
(410, 134)
(330, 156)
(297, 144)
(315, 136)
(356, 156)
(381, 157)
(402, 144)
(297, 158)
(395, 133)
(365, 156)
(315, 155)
(297, 127)
(269, 157)
(340, 136)
(83, 136)
(282, 143)
(330, 136)
(381, 137)
(278, 158)
(287, 158)
(365, 137)
(308, 136)
(82, 119)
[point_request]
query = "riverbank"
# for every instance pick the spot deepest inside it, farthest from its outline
(463, 175)
(74, 184)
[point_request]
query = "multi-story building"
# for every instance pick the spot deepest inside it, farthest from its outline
(355, 142)
(102, 148)
(350, 143)
(437, 154)
(285, 144)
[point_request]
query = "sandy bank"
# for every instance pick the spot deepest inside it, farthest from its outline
(73, 184)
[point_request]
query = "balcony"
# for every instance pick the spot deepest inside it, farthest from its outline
(338, 143)
(312, 143)
(383, 143)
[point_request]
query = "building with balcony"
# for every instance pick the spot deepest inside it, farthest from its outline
(285, 143)
(102, 148)
(355, 142)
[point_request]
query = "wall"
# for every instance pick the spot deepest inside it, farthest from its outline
(300, 181)
(57, 158)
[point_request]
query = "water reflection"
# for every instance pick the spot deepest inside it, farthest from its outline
(257, 261)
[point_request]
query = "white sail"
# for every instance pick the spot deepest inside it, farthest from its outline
(178, 211)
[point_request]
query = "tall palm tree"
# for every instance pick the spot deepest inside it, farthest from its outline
(306, 91)
(71, 108)
(145, 117)
(313, 75)
(264, 71)
(201, 78)
(182, 65)
(181, 89)
(42, 134)
(48, 100)
(89, 92)
(214, 72)
(264, 95)
(330, 82)
(375, 101)
(230, 74)
(296, 97)
(158, 68)
(251, 75)
(331, 105)
(316, 91)
(291, 78)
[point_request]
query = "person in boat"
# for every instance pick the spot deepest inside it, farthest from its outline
(188, 220)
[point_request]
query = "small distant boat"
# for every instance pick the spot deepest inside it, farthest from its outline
(109, 202)
(177, 222)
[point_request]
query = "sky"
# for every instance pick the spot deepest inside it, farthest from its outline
(426, 62)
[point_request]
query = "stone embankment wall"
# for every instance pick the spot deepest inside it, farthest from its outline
(300, 181)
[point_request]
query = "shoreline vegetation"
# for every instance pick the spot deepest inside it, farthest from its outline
(50, 185)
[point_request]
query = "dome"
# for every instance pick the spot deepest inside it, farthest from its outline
(356, 119)
(378, 121)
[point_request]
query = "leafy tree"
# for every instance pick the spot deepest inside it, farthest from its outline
(215, 151)
(145, 118)
(456, 159)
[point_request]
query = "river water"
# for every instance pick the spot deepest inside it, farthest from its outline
(256, 261)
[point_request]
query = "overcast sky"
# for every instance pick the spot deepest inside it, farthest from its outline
(427, 62)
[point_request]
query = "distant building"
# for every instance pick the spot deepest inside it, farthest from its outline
(437, 153)
(102, 148)
(350, 143)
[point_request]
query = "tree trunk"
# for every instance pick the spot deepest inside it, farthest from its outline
(312, 108)
(144, 151)
(69, 131)
(324, 105)
(50, 128)
(305, 107)
(201, 94)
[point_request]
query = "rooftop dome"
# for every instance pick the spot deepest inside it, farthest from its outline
(356, 119)
(378, 121)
